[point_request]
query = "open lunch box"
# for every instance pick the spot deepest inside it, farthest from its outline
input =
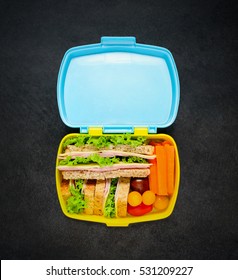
(118, 169)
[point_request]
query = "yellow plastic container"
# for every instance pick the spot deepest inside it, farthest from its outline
(123, 222)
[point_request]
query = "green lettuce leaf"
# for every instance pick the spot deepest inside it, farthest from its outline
(133, 159)
(99, 142)
(76, 202)
(93, 158)
(105, 141)
(110, 210)
(126, 139)
(102, 161)
(77, 141)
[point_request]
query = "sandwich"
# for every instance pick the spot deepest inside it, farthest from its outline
(121, 196)
(105, 157)
(98, 171)
(98, 197)
(88, 191)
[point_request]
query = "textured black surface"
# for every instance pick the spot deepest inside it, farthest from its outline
(203, 40)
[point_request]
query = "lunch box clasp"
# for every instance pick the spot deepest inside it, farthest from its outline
(110, 41)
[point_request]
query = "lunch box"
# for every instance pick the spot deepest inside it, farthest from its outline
(115, 87)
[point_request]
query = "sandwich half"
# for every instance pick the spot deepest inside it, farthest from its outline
(100, 196)
(89, 196)
(105, 157)
(121, 195)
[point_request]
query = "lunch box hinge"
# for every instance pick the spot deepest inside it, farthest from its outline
(145, 130)
(97, 131)
(141, 131)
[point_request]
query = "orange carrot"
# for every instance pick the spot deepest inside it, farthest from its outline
(155, 143)
(166, 143)
(161, 169)
(170, 167)
(153, 180)
(153, 177)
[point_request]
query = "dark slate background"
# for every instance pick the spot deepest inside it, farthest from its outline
(34, 35)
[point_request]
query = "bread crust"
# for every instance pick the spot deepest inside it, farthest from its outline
(140, 173)
(99, 197)
(121, 196)
(89, 189)
(143, 149)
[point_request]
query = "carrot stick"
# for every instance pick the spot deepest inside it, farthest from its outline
(170, 168)
(165, 143)
(161, 169)
(153, 177)
(153, 180)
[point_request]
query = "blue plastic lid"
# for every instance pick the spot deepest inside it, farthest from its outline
(118, 85)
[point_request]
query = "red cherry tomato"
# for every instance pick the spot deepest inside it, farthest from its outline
(139, 210)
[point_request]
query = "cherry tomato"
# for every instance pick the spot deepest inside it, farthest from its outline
(134, 198)
(140, 185)
(148, 197)
(161, 202)
(139, 210)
